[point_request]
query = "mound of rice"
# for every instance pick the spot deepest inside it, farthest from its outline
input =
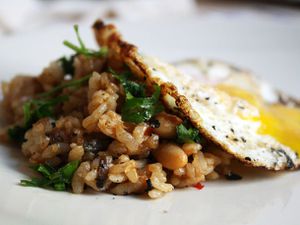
(116, 156)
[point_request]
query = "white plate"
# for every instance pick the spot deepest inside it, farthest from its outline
(270, 49)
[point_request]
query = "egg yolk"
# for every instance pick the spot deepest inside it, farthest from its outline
(279, 121)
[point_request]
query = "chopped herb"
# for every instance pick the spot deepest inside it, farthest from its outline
(17, 133)
(137, 110)
(45, 170)
(137, 107)
(36, 109)
(35, 182)
(72, 83)
(186, 133)
(60, 187)
(58, 179)
(67, 64)
(135, 89)
(81, 49)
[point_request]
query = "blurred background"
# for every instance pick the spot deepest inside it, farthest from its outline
(27, 15)
(262, 36)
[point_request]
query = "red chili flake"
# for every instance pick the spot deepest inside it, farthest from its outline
(199, 186)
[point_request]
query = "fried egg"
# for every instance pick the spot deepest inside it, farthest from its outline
(279, 115)
(229, 106)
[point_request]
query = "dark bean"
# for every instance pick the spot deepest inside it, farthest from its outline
(95, 143)
(88, 156)
(233, 176)
(104, 163)
(52, 122)
(57, 135)
(92, 146)
(100, 181)
(149, 185)
(154, 123)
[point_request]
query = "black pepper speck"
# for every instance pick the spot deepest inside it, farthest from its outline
(289, 161)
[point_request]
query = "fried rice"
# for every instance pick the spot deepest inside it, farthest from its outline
(114, 154)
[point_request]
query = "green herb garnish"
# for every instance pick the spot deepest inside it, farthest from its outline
(34, 110)
(186, 133)
(58, 179)
(135, 89)
(137, 110)
(81, 49)
(72, 83)
(137, 107)
(17, 133)
(43, 106)
(67, 64)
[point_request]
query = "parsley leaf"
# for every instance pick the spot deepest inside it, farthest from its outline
(41, 107)
(17, 133)
(58, 179)
(186, 133)
(72, 83)
(45, 170)
(67, 64)
(134, 88)
(35, 182)
(138, 109)
(34, 110)
(81, 49)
